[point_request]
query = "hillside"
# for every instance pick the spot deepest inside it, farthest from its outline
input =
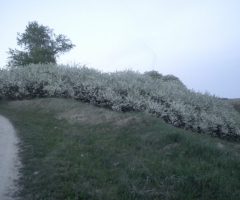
(75, 150)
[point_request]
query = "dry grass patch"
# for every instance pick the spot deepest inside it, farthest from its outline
(76, 112)
(171, 146)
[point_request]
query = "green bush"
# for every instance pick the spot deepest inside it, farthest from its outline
(166, 97)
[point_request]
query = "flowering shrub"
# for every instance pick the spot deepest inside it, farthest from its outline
(165, 97)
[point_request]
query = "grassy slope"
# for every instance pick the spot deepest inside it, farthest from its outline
(72, 150)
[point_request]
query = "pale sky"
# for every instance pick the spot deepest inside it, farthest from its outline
(196, 40)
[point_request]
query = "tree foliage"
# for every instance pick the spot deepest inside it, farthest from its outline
(40, 45)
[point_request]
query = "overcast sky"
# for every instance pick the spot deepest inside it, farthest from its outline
(197, 41)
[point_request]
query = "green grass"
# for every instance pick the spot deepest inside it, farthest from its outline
(72, 150)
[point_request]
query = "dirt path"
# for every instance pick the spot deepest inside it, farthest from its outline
(9, 162)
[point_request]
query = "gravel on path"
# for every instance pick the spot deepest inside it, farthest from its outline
(9, 161)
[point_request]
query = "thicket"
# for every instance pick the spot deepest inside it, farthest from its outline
(165, 97)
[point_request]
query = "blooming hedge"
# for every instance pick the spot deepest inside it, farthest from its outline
(165, 97)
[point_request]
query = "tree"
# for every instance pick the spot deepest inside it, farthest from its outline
(40, 45)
